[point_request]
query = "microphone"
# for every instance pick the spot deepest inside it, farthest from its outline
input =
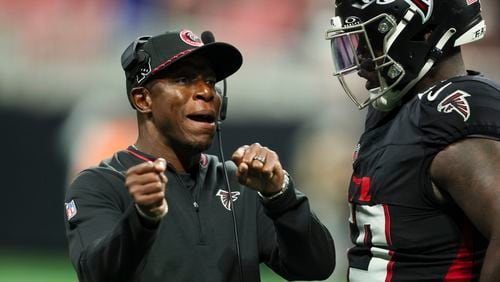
(207, 37)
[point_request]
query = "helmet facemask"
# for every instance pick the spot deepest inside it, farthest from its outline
(356, 52)
(393, 44)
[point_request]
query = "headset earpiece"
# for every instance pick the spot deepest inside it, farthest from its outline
(134, 57)
(141, 57)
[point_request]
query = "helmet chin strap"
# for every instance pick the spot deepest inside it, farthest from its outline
(392, 98)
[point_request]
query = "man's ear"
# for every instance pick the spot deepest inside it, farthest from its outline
(141, 98)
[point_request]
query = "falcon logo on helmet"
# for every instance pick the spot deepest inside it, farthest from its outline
(224, 198)
(456, 102)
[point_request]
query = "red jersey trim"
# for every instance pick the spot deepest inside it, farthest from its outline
(203, 158)
(390, 264)
(138, 156)
(461, 267)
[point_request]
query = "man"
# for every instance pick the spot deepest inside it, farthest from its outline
(161, 211)
(425, 192)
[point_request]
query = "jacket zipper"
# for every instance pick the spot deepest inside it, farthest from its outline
(201, 236)
(196, 208)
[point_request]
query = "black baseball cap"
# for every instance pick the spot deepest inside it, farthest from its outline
(148, 57)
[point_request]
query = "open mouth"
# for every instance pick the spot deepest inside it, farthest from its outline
(206, 117)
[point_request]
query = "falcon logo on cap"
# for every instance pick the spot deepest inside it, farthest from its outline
(190, 38)
(224, 198)
(456, 102)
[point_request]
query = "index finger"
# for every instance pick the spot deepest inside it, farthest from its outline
(141, 168)
(238, 154)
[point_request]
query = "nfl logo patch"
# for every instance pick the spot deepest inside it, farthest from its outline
(70, 209)
(355, 152)
(470, 2)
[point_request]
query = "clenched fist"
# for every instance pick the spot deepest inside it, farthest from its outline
(146, 184)
(259, 168)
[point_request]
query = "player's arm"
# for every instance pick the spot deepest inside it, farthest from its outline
(109, 238)
(469, 171)
(292, 241)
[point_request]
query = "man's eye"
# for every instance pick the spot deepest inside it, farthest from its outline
(182, 80)
(211, 81)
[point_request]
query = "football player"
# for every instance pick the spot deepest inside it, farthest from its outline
(425, 188)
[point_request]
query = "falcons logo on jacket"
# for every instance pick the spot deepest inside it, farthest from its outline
(456, 102)
(224, 198)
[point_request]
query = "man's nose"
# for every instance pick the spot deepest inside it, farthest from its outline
(204, 90)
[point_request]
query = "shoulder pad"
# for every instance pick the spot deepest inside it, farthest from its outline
(461, 107)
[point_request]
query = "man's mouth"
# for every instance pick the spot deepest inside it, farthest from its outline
(368, 71)
(202, 116)
(371, 78)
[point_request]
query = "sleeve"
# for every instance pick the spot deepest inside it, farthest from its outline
(295, 244)
(107, 241)
(453, 110)
(460, 109)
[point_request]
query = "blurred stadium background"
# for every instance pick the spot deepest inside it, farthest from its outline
(63, 106)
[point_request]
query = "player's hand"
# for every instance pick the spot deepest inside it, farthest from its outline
(146, 184)
(259, 168)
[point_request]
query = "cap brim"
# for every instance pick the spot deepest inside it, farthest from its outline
(224, 59)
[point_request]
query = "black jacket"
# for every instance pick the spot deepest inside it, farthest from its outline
(195, 240)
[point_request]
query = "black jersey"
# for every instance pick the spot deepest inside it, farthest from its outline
(400, 232)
